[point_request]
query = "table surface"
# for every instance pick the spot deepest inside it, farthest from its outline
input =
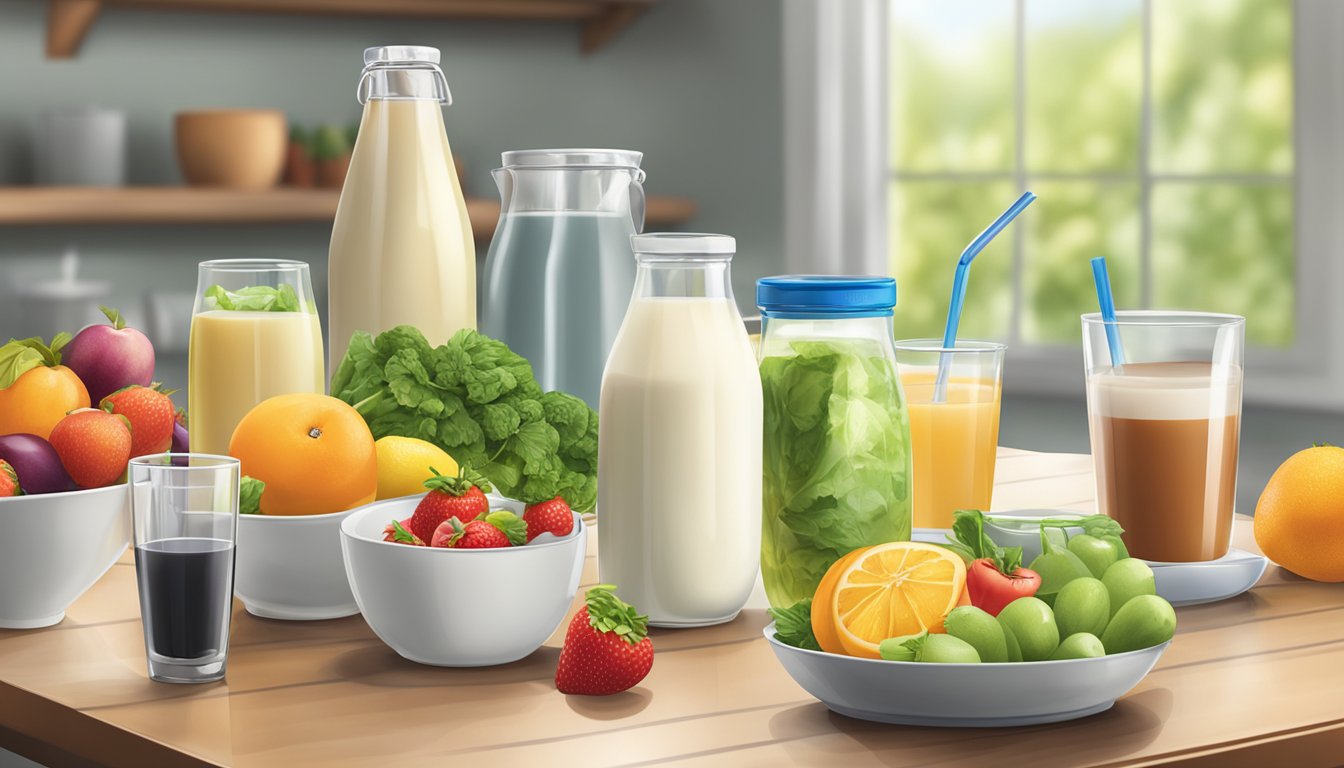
(1254, 680)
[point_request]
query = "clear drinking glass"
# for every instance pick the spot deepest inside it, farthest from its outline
(254, 335)
(1165, 423)
(955, 440)
(184, 509)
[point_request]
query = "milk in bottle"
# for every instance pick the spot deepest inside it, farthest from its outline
(401, 248)
(679, 449)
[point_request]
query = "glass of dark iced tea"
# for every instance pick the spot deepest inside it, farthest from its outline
(1164, 421)
(184, 510)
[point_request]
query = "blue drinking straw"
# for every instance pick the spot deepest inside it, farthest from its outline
(959, 280)
(1107, 302)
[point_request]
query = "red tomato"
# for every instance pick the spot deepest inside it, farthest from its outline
(990, 589)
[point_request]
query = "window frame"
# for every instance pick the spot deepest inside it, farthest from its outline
(838, 171)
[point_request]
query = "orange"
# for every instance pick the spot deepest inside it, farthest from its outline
(893, 589)
(314, 452)
(1299, 520)
(823, 625)
(39, 398)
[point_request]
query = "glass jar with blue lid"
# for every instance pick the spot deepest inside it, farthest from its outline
(836, 433)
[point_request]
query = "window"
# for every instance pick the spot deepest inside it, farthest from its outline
(1159, 133)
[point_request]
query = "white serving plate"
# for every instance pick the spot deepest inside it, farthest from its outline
(53, 547)
(290, 567)
(965, 695)
(1178, 583)
(459, 607)
(1207, 582)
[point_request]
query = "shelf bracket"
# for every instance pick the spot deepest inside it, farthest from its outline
(68, 21)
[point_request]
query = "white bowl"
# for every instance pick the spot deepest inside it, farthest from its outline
(1208, 581)
(459, 607)
(965, 695)
(290, 567)
(53, 547)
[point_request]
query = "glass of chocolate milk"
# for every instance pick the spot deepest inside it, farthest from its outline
(1164, 422)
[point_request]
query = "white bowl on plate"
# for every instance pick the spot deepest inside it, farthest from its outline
(459, 607)
(965, 695)
(291, 567)
(1208, 581)
(53, 547)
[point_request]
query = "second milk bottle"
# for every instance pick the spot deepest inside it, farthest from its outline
(402, 251)
(679, 457)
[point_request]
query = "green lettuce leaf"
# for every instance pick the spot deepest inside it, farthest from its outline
(837, 472)
(479, 401)
(254, 298)
(793, 625)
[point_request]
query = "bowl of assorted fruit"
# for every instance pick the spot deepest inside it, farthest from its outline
(308, 462)
(64, 517)
(960, 634)
(461, 578)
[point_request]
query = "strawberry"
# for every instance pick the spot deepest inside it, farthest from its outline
(9, 480)
(607, 649)
(397, 532)
(93, 446)
(461, 497)
(496, 529)
(150, 413)
(552, 516)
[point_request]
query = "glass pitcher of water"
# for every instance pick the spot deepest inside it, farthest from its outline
(560, 271)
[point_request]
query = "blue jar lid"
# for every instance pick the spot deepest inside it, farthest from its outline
(817, 297)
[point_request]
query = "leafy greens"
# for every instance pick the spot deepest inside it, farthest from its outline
(837, 460)
(479, 401)
(254, 298)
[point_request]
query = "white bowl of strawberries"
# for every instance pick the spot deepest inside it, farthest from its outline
(475, 593)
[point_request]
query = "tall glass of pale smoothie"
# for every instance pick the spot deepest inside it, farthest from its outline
(1165, 421)
(254, 335)
(954, 438)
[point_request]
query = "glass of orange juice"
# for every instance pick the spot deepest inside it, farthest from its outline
(254, 335)
(955, 437)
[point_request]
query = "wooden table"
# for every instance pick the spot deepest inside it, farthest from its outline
(1256, 680)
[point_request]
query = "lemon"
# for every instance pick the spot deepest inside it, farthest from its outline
(404, 462)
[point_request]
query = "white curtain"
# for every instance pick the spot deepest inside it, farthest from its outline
(835, 136)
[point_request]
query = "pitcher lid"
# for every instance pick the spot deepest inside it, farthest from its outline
(571, 158)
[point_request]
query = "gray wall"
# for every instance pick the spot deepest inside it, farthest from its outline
(695, 84)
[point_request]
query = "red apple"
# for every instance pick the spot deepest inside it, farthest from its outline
(109, 357)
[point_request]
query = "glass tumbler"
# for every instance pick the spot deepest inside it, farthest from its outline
(184, 510)
(955, 437)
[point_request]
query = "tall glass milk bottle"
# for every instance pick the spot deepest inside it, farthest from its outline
(679, 446)
(402, 251)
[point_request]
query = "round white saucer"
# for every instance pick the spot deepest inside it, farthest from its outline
(1178, 583)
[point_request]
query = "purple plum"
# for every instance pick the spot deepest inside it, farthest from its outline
(181, 444)
(109, 357)
(36, 463)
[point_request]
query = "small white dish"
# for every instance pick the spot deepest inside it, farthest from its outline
(53, 547)
(965, 695)
(291, 567)
(1210, 581)
(1178, 583)
(459, 607)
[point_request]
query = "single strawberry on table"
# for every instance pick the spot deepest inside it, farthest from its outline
(399, 533)
(151, 414)
(554, 517)
(9, 480)
(93, 446)
(462, 497)
(489, 531)
(607, 648)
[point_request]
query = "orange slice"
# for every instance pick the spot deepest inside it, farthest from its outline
(888, 590)
(823, 625)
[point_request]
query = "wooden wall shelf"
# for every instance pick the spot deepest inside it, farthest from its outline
(203, 205)
(68, 21)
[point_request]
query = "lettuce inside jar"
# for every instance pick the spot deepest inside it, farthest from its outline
(837, 469)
